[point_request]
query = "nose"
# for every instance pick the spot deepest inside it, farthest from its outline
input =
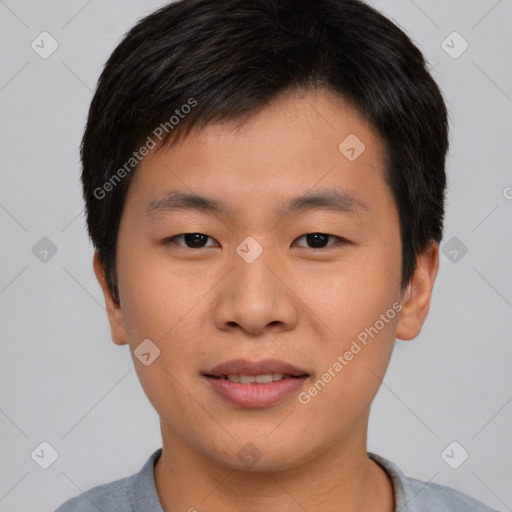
(257, 296)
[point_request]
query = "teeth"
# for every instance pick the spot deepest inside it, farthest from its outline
(260, 379)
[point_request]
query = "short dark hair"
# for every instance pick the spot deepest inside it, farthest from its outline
(227, 59)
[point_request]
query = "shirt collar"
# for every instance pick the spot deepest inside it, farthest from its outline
(404, 495)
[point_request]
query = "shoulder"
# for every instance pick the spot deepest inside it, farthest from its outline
(109, 497)
(136, 492)
(431, 496)
(414, 495)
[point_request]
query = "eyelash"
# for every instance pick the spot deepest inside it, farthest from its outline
(341, 241)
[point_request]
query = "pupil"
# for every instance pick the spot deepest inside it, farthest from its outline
(194, 239)
(315, 239)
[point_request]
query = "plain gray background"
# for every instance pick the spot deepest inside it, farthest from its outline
(64, 382)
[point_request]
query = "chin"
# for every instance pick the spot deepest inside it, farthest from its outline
(262, 455)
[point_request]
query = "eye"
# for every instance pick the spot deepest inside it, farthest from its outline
(198, 240)
(192, 240)
(319, 240)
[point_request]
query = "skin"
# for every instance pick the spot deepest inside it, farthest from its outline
(202, 306)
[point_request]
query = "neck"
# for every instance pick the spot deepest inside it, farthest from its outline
(340, 478)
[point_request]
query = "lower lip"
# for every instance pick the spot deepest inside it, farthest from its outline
(254, 394)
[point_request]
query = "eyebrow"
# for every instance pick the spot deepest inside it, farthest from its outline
(331, 199)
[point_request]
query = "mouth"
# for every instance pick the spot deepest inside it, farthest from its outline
(245, 370)
(255, 384)
(263, 378)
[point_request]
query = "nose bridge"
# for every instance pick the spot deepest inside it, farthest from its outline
(252, 274)
(253, 297)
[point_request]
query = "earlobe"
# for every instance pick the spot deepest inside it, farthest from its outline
(114, 312)
(416, 301)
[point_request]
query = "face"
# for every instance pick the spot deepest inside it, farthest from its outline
(299, 262)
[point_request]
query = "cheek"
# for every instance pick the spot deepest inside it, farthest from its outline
(351, 294)
(351, 363)
(164, 305)
(158, 300)
(359, 307)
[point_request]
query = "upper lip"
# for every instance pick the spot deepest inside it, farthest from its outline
(245, 367)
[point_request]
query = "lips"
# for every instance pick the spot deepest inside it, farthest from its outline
(247, 384)
(245, 367)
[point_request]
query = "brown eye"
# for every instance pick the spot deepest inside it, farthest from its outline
(319, 240)
(192, 240)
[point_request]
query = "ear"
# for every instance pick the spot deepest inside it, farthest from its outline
(114, 312)
(416, 300)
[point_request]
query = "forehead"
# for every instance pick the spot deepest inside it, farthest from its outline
(298, 143)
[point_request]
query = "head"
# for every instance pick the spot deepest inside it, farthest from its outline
(255, 103)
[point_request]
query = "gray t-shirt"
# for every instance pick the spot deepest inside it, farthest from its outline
(137, 493)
